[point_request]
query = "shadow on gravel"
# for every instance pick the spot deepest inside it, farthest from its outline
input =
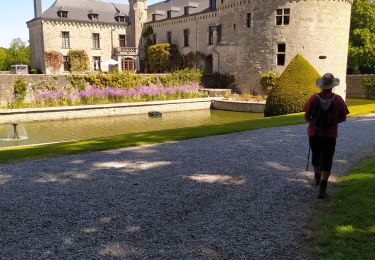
(238, 196)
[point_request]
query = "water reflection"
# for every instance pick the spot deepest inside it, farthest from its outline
(78, 129)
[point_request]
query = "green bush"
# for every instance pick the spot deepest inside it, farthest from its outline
(78, 82)
(115, 80)
(181, 77)
(295, 86)
(19, 89)
(268, 81)
(163, 58)
(217, 80)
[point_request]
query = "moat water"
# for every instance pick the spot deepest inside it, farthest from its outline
(80, 129)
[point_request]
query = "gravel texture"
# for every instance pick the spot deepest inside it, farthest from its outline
(237, 196)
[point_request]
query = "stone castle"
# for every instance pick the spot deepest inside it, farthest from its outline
(244, 38)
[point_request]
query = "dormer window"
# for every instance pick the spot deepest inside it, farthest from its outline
(212, 4)
(186, 10)
(94, 17)
(169, 14)
(121, 19)
(62, 14)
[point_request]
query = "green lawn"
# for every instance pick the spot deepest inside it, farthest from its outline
(345, 228)
(357, 107)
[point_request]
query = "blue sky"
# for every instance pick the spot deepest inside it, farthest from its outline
(15, 14)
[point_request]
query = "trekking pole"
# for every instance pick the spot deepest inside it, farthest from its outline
(308, 160)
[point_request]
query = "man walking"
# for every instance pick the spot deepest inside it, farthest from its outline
(323, 112)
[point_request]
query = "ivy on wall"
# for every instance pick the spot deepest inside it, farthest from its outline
(163, 57)
(53, 60)
(79, 61)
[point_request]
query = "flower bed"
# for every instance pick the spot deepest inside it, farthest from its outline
(95, 95)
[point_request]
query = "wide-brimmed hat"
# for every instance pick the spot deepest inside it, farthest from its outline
(328, 81)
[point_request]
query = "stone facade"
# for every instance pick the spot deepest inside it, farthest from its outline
(318, 30)
(114, 39)
(244, 38)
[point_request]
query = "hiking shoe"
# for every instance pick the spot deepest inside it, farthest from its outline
(322, 196)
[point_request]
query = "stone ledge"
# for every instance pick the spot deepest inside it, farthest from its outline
(91, 111)
(239, 106)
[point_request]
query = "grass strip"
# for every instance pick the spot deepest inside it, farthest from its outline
(345, 229)
(359, 107)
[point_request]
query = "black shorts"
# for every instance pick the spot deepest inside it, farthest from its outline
(323, 149)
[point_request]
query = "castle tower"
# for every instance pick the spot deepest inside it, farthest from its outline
(138, 16)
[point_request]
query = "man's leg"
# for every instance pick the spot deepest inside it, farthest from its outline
(327, 152)
(323, 184)
(315, 158)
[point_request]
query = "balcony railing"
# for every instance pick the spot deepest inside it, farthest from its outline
(123, 51)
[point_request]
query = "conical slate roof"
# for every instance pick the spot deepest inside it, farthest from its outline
(80, 10)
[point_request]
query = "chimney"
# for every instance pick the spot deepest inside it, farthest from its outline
(37, 8)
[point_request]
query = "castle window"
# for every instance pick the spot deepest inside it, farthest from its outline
(282, 16)
(281, 50)
(66, 63)
(65, 40)
(248, 20)
(122, 40)
(120, 18)
(211, 30)
(154, 17)
(186, 10)
(62, 14)
(212, 4)
(96, 41)
(154, 38)
(169, 14)
(96, 61)
(186, 38)
(94, 17)
(169, 37)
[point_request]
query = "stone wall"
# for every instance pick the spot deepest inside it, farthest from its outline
(355, 88)
(7, 83)
(246, 52)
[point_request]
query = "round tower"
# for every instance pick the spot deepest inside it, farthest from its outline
(270, 33)
(138, 16)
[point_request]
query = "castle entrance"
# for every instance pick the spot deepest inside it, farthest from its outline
(127, 64)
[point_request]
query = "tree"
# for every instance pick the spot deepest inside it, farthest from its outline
(3, 59)
(362, 37)
(18, 52)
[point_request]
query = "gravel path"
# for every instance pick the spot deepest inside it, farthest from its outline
(237, 196)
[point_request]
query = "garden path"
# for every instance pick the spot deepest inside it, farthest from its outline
(238, 196)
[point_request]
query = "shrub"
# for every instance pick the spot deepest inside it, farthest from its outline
(19, 89)
(268, 81)
(181, 77)
(163, 57)
(79, 61)
(78, 82)
(295, 86)
(117, 80)
(217, 80)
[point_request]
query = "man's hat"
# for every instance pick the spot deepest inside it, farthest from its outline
(328, 81)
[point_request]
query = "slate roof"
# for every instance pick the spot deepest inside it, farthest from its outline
(80, 10)
(177, 8)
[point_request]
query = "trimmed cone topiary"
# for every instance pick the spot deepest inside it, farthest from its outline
(295, 86)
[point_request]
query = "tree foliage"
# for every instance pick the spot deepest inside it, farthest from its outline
(17, 53)
(362, 37)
